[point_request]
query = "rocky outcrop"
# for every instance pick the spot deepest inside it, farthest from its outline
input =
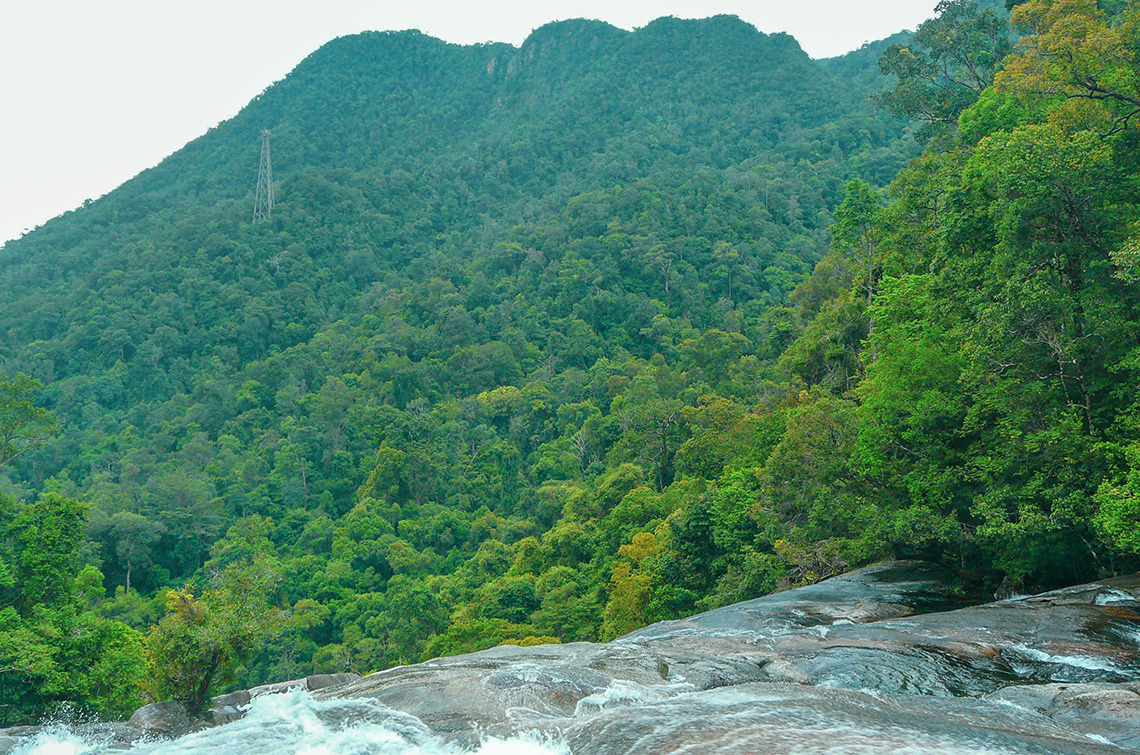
(166, 719)
(856, 653)
(882, 660)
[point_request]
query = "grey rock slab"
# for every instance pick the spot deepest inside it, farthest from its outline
(774, 719)
(882, 591)
(860, 633)
(1107, 710)
(276, 688)
(310, 683)
(166, 719)
(323, 681)
(232, 699)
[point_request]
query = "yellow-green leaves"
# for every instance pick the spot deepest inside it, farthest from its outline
(1079, 56)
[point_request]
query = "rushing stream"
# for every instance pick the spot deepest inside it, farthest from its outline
(290, 723)
(884, 660)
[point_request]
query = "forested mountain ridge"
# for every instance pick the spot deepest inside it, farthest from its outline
(383, 142)
(475, 252)
(535, 355)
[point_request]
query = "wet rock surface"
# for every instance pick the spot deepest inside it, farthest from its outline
(850, 664)
(167, 719)
(884, 591)
(887, 659)
(156, 722)
(1106, 710)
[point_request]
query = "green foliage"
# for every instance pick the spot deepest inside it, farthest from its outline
(946, 66)
(632, 331)
(53, 647)
(1118, 507)
(201, 639)
(23, 425)
(47, 534)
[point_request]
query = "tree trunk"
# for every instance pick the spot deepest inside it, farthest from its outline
(202, 692)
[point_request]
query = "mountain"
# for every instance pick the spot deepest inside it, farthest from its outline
(522, 319)
(592, 182)
(388, 144)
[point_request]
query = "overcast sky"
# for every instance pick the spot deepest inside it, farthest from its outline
(94, 91)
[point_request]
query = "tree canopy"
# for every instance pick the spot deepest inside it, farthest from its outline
(546, 343)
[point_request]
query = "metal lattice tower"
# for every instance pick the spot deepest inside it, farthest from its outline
(263, 199)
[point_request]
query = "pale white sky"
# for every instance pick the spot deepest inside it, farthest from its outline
(94, 91)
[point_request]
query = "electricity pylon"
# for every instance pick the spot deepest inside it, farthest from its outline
(263, 199)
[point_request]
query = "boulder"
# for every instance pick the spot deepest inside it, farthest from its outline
(308, 683)
(228, 707)
(166, 719)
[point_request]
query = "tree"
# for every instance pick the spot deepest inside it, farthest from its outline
(202, 638)
(408, 616)
(23, 425)
(855, 233)
(1118, 509)
(629, 597)
(952, 58)
(652, 426)
(133, 537)
(49, 532)
(1075, 50)
(658, 259)
(629, 591)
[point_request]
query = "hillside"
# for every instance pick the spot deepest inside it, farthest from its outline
(388, 146)
(457, 218)
(548, 343)
(475, 253)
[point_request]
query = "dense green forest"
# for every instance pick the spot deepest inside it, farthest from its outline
(546, 343)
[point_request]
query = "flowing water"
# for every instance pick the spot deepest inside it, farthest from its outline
(294, 723)
(884, 660)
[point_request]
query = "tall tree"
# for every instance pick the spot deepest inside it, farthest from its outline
(202, 638)
(951, 60)
(1076, 50)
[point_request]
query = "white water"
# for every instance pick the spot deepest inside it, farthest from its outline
(294, 723)
(1077, 661)
(1110, 596)
(621, 694)
(56, 740)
